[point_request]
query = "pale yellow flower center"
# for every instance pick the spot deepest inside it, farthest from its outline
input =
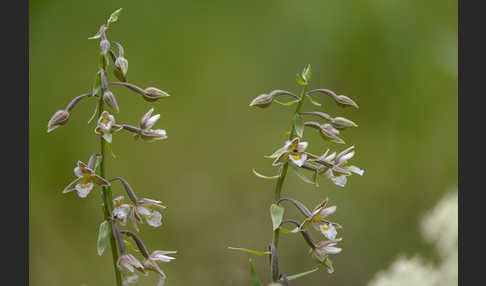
(85, 185)
(317, 218)
(325, 227)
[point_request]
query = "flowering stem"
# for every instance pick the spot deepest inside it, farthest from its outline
(281, 179)
(107, 199)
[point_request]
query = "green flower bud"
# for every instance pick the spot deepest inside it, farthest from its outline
(345, 101)
(110, 100)
(59, 118)
(122, 64)
(151, 94)
(341, 123)
(263, 100)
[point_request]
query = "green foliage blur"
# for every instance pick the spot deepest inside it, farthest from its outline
(396, 59)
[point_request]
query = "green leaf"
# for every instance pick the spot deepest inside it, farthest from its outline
(256, 252)
(276, 212)
(97, 162)
(104, 234)
(130, 246)
(104, 61)
(300, 80)
(298, 171)
(255, 281)
(312, 101)
(295, 230)
(114, 16)
(295, 276)
(286, 103)
(97, 84)
(108, 137)
(288, 231)
(108, 147)
(277, 153)
(307, 73)
(96, 36)
(94, 113)
(299, 125)
(265, 177)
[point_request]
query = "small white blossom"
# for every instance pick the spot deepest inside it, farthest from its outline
(323, 248)
(294, 150)
(128, 262)
(328, 230)
(146, 124)
(145, 209)
(85, 181)
(106, 126)
(150, 262)
(318, 220)
(340, 170)
(121, 211)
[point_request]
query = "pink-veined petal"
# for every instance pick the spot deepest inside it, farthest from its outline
(71, 186)
(328, 211)
(151, 121)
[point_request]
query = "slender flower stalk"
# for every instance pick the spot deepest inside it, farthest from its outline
(93, 174)
(294, 155)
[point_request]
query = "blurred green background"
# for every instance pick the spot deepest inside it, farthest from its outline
(397, 59)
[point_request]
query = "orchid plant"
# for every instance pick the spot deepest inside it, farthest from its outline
(116, 213)
(294, 155)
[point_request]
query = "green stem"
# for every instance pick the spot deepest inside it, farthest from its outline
(107, 201)
(281, 179)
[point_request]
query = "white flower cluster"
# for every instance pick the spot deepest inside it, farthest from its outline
(439, 226)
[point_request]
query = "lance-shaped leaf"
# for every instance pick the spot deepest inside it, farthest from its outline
(302, 274)
(256, 252)
(288, 231)
(299, 125)
(104, 234)
(298, 171)
(307, 73)
(114, 16)
(277, 153)
(300, 80)
(255, 281)
(94, 113)
(289, 103)
(313, 101)
(108, 147)
(97, 84)
(276, 212)
(130, 246)
(265, 177)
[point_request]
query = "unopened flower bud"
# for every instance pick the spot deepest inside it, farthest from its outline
(59, 118)
(263, 100)
(152, 94)
(122, 64)
(104, 46)
(330, 133)
(341, 123)
(110, 100)
(345, 101)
